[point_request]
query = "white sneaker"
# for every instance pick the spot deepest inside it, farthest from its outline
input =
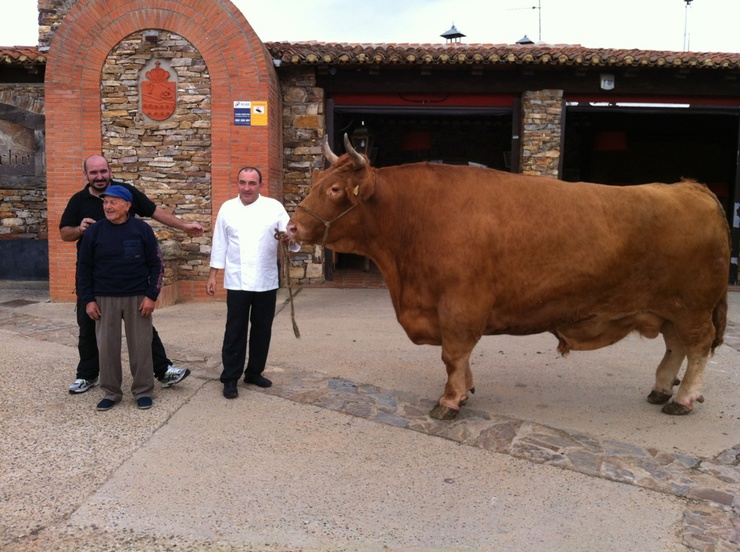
(173, 376)
(82, 385)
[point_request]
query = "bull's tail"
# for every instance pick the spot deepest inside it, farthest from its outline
(719, 319)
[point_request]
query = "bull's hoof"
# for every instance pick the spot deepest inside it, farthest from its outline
(675, 409)
(440, 412)
(655, 397)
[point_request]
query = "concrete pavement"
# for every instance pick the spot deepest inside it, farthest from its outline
(551, 453)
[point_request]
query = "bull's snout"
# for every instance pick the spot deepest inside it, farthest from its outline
(292, 230)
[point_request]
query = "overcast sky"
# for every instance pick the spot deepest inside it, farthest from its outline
(712, 25)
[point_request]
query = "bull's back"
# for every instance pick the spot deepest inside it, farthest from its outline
(539, 251)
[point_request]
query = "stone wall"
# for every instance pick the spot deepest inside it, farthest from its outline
(51, 14)
(169, 160)
(542, 118)
(23, 214)
(303, 131)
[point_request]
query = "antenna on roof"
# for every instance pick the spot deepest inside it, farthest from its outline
(538, 7)
(686, 26)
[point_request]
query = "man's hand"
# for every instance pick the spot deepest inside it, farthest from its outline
(147, 307)
(211, 285)
(284, 237)
(74, 233)
(93, 310)
(86, 222)
(193, 229)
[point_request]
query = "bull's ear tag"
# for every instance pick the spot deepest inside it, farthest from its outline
(356, 190)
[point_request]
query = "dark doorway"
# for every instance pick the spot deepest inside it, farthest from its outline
(632, 146)
(456, 139)
(623, 146)
(396, 138)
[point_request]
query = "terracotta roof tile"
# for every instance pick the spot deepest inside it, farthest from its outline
(325, 53)
(21, 55)
(317, 53)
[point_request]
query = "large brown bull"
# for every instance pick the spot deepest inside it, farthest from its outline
(467, 251)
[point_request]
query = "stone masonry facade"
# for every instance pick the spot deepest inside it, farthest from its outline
(51, 15)
(168, 160)
(542, 113)
(303, 131)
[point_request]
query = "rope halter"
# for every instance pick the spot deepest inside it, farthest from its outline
(327, 223)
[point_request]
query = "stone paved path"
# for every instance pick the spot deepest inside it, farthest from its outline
(710, 486)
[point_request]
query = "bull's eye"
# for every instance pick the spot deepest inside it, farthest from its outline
(335, 189)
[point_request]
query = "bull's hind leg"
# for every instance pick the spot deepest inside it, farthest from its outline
(667, 372)
(459, 381)
(697, 344)
(690, 390)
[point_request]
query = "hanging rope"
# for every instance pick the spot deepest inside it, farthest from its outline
(285, 253)
(285, 263)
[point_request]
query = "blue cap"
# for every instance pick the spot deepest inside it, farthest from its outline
(117, 191)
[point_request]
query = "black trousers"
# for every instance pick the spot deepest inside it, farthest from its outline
(242, 309)
(87, 345)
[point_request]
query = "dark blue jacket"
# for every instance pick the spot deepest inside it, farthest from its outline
(119, 260)
(85, 205)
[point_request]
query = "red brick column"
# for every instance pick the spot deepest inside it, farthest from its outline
(240, 69)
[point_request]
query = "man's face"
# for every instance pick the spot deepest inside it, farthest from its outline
(249, 186)
(97, 173)
(116, 209)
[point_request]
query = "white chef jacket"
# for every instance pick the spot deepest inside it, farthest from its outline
(244, 243)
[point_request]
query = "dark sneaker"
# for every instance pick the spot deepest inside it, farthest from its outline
(173, 376)
(105, 404)
(144, 402)
(230, 391)
(259, 381)
(82, 385)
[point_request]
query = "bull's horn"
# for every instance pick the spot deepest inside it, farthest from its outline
(331, 157)
(357, 159)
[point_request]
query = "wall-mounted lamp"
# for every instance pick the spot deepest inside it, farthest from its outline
(606, 81)
(362, 140)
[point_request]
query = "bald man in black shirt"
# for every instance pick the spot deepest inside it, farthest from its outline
(83, 209)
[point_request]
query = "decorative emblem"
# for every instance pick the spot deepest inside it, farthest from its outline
(158, 96)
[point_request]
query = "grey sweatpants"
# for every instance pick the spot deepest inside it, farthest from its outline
(138, 338)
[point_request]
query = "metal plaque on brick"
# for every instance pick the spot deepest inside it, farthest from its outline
(252, 113)
(17, 150)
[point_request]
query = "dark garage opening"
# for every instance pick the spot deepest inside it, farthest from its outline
(395, 138)
(623, 147)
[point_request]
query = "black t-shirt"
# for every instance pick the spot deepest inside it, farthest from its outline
(85, 205)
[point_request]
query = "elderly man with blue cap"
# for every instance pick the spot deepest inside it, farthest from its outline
(83, 209)
(119, 277)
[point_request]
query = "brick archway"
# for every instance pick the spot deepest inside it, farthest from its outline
(240, 69)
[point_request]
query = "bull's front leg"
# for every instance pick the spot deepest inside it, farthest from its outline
(459, 382)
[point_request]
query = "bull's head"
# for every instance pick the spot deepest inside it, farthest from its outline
(335, 192)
